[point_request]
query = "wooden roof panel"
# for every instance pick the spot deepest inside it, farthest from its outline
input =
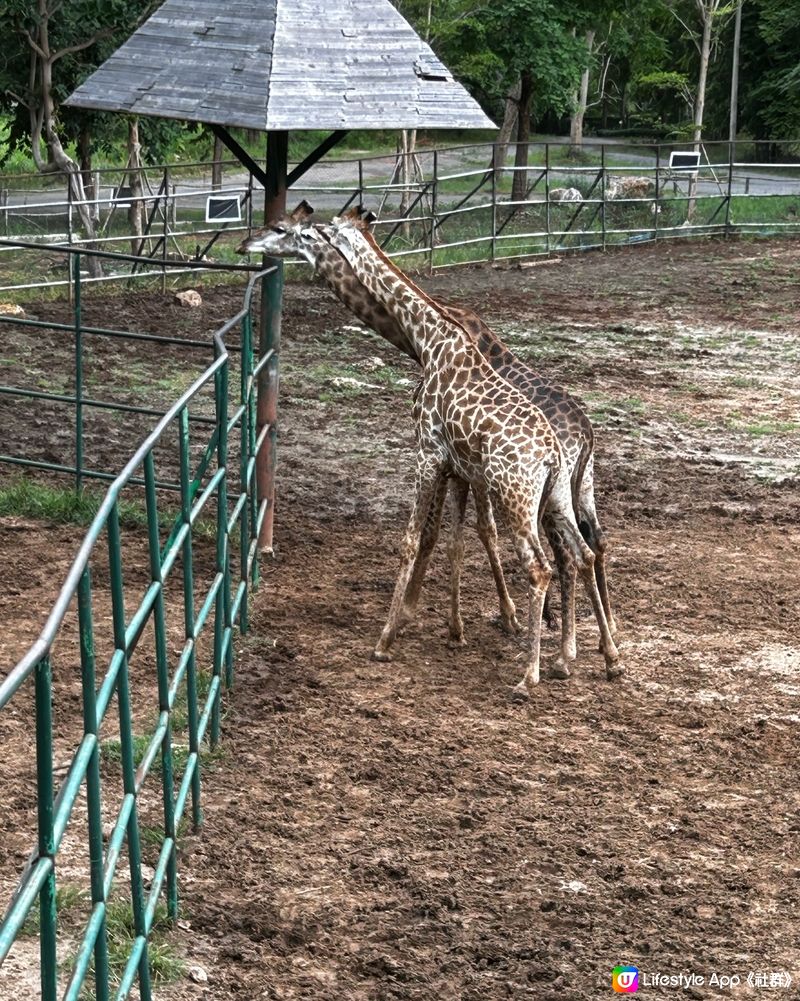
(281, 64)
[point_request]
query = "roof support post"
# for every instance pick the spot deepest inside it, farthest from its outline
(270, 335)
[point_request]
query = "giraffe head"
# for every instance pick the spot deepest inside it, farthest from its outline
(291, 236)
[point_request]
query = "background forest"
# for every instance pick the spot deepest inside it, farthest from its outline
(659, 69)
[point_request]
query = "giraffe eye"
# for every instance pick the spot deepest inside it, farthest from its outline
(280, 229)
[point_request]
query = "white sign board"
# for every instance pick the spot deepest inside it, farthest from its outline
(224, 208)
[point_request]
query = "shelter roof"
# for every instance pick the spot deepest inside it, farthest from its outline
(281, 65)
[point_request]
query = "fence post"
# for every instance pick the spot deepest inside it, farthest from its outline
(69, 237)
(76, 280)
(44, 795)
(547, 219)
(270, 336)
(731, 153)
(434, 207)
(165, 233)
(657, 207)
(603, 191)
(494, 215)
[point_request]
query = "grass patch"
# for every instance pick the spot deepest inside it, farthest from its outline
(69, 899)
(24, 498)
(166, 966)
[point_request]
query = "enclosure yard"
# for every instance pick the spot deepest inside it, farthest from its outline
(403, 831)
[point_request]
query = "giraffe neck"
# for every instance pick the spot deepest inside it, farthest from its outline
(344, 283)
(426, 324)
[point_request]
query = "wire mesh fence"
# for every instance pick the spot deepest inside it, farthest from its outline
(436, 206)
(146, 619)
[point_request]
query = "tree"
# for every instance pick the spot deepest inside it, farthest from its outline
(46, 58)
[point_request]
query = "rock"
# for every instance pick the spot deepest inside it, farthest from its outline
(11, 309)
(189, 298)
(198, 974)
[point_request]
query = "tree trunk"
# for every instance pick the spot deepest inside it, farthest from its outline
(700, 101)
(216, 165)
(43, 131)
(87, 176)
(506, 131)
(581, 100)
(519, 189)
(136, 206)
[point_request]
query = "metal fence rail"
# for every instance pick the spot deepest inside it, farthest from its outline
(230, 492)
(441, 206)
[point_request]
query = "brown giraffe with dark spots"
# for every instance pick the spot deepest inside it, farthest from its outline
(573, 428)
(574, 431)
(474, 425)
(284, 238)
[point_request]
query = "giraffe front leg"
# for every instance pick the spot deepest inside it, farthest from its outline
(427, 484)
(487, 532)
(430, 533)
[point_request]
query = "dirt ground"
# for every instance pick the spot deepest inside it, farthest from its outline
(403, 831)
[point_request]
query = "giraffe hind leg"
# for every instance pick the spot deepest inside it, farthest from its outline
(567, 575)
(594, 537)
(430, 533)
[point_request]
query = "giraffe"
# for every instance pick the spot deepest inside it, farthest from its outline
(292, 236)
(568, 420)
(473, 424)
(573, 428)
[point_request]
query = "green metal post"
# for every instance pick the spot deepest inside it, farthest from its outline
(246, 366)
(93, 790)
(270, 334)
(188, 612)
(76, 280)
(547, 195)
(44, 792)
(126, 745)
(222, 601)
(162, 668)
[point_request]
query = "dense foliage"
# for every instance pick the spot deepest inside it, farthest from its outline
(628, 66)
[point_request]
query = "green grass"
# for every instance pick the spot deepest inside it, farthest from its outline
(166, 966)
(69, 900)
(27, 498)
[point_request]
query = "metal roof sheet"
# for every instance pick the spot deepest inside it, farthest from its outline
(281, 64)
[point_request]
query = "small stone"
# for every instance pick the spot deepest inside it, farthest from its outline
(189, 298)
(11, 309)
(198, 975)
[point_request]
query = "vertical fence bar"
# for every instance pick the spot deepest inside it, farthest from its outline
(434, 208)
(731, 154)
(221, 612)
(188, 611)
(657, 204)
(93, 788)
(246, 367)
(494, 213)
(603, 191)
(69, 235)
(46, 845)
(547, 216)
(165, 233)
(76, 281)
(126, 746)
(162, 669)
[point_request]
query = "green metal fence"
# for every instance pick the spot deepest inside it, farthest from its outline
(210, 484)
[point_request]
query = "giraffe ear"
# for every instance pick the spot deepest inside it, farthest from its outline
(302, 212)
(350, 215)
(364, 219)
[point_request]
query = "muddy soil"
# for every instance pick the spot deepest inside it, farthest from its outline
(403, 831)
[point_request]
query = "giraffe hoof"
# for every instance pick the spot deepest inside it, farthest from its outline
(520, 693)
(382, 655)
(456, 642)
(614, 671)
(507, 625)
(551, 621)
(559, 671)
